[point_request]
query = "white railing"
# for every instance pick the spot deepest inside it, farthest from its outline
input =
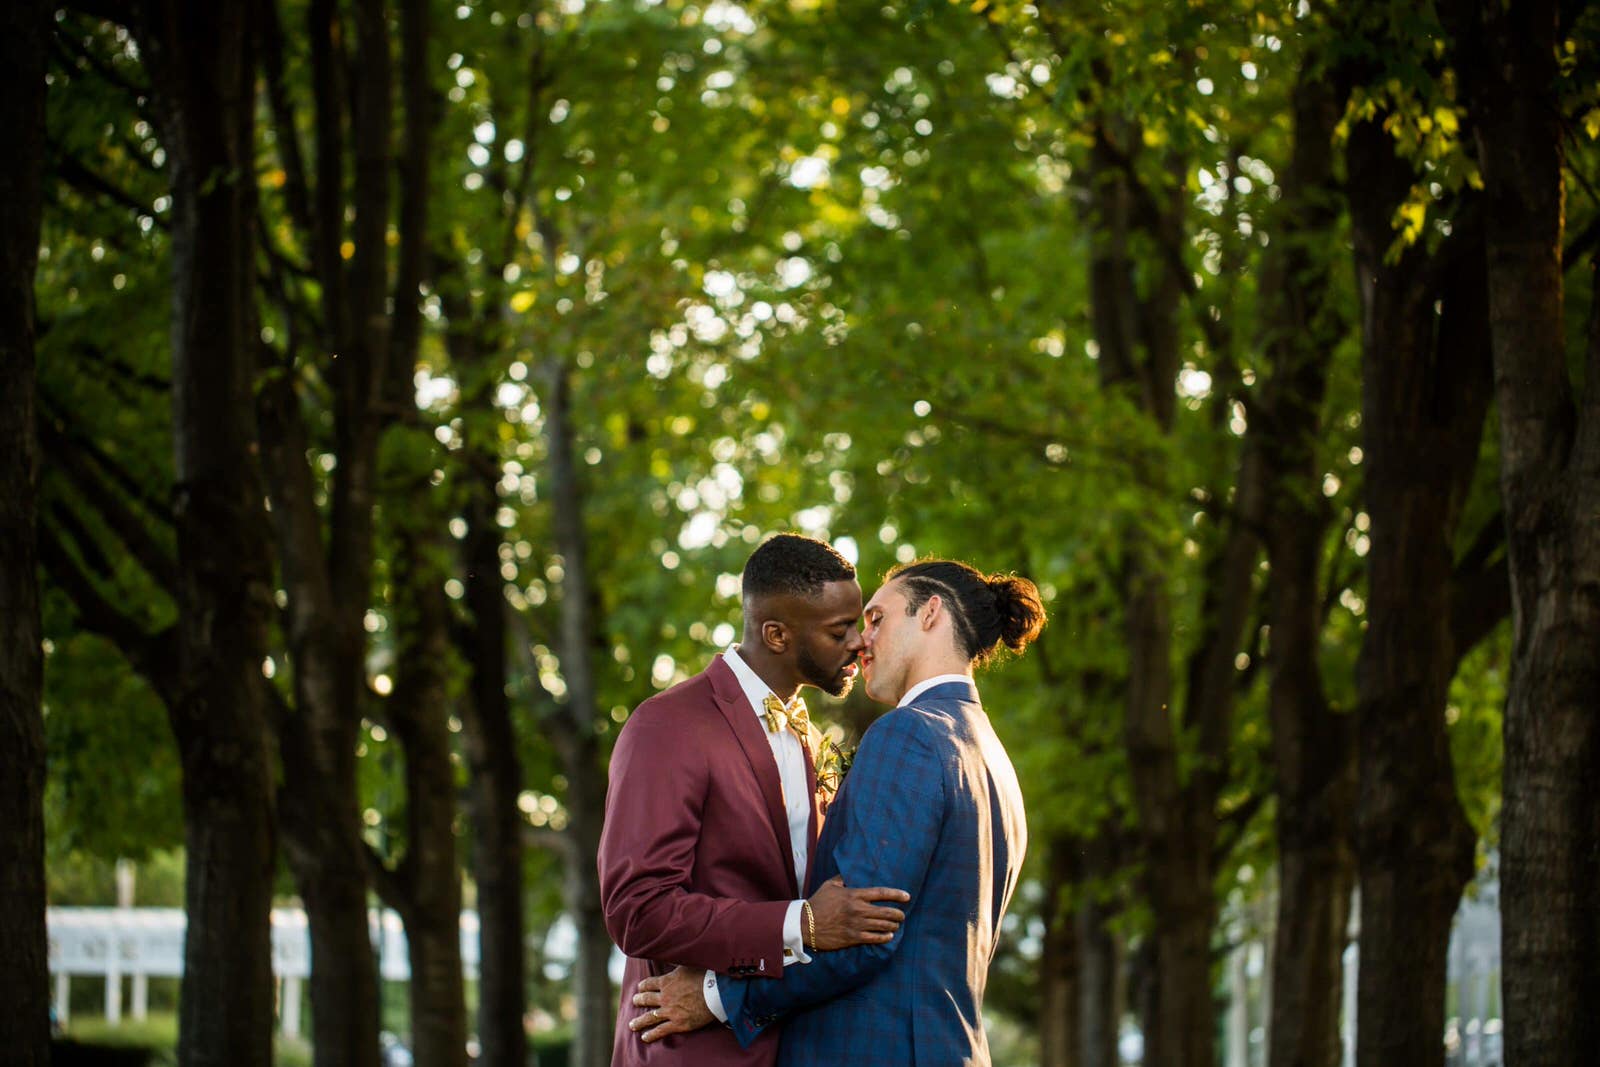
(145, 943)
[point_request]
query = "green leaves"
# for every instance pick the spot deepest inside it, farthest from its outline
(820, 266)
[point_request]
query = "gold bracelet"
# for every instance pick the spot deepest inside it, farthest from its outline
(811, 923)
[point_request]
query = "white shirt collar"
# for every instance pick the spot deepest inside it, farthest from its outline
(928, 683)
(755, 690)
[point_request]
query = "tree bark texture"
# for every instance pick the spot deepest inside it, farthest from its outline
(202, 72)
(489, 733)
(1313, 749)
(591, 977)
(1098, 972)
(343, 206)
(495, 785)
(1175, 794)
(1058, 964)
(1425, 390)
(1550, 481)
(1144, 994)
(427, 885)
(317, 802)
(428, 881)
(24, 977)
(573, 732)
(1078, 971)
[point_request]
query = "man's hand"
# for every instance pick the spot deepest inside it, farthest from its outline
(847, 917)
(677, 1003)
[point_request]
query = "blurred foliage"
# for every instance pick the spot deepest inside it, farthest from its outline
(807, 265)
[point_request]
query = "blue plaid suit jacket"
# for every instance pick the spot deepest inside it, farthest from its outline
(932, 806)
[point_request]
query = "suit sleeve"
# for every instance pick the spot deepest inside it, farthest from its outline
(654, 806)
(893, 815)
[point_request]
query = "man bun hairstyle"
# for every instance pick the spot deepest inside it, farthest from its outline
(1020, 609)
(793, 564)
(987, 610)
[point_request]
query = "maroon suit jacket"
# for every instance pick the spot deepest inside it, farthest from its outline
(695, 857)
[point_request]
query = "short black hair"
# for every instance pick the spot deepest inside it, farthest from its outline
(790, 563)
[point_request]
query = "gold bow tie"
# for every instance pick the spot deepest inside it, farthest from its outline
(778, 717)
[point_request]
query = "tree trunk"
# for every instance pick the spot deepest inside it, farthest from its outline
(492, 792)
(1145, 994)
(1097, 1010)
(317, 803)
(1186, 1008)
(575, 736)
(1078, 974)
(1312, 746)
(1058, 995)
(24, 979)
(1316, 876)
(1177, 831)
(489, 732)
(1550, 480)
(362, 348)
(202, 75)
(1058, 966)
(427, 887)
(344, 969)
(429, 879)
(591, 976)
(1176, 822)
(1425, 389)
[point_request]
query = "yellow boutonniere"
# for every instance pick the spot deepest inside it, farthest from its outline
(833, 763)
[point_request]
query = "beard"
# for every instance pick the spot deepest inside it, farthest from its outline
(835, 683)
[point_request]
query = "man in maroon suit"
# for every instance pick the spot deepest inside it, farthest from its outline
(712, 814)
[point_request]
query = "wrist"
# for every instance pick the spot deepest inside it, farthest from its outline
(808, 936)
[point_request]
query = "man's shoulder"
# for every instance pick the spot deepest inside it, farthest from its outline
(939, 710)
(914, 722)
(947, 694)
(691, 698)
(923, 730)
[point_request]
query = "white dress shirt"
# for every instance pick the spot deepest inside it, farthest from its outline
(791, 761)
(791, 764)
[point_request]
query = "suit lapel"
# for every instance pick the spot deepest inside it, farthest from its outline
(731, 702)
(813, 745)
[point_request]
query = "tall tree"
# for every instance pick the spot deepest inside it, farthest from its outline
(349, 320)
(1425, 391)
(1312, 744)
(1176, 790)
(24, 982)
(203, 78)
(576, 739)
(1511, 66)
(490, 743)
(425, 886)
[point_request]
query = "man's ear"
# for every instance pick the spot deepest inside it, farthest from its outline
(775, 635)
(931, 611)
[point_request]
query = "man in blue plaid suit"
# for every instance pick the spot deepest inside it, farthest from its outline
(931, 805)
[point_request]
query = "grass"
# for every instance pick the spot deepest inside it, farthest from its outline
(159, 1035)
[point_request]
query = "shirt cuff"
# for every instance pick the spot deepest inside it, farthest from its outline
(794, 946)
(714, 998)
